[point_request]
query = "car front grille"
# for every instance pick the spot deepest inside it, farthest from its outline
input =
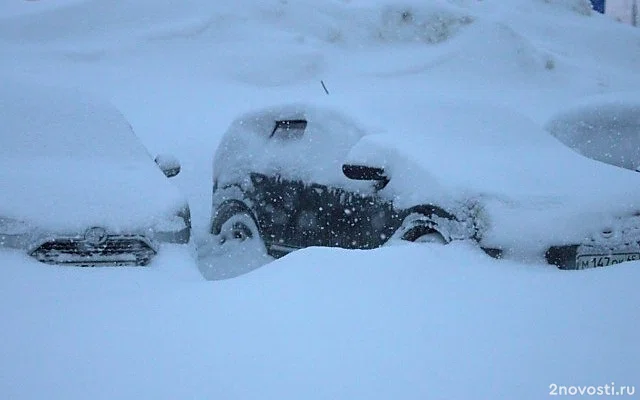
(117, 250)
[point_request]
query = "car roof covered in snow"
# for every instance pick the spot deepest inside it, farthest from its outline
(69, 161)
(273, 141)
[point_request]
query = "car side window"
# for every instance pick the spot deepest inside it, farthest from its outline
(289, 129)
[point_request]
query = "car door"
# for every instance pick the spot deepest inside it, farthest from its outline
(335, 217)
(362, 221)
(275, 202)
(293, 215)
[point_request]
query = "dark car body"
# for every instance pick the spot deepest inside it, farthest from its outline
(354, 211)
(292, 214)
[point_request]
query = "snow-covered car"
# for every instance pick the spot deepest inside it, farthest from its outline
(603, 128)
(77, 186)
(298, 176)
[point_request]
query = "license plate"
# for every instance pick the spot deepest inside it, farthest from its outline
(601, 260)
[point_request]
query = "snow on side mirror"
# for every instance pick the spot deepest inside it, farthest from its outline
(365, 173)
(168, 164)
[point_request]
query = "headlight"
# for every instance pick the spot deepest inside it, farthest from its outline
(12, 227)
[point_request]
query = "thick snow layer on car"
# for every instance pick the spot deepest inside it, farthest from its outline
(499, 165)
(534, 190)
(69, 161)
(253, 144)
(605, 128)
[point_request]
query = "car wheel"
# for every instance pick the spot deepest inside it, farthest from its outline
(238, 228)
(419, 229)
(234, 246)
(424, 235)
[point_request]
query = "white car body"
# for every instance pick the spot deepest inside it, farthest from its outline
(71, 167)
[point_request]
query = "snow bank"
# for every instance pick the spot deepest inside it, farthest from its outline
(86, 20)
(419, 22)
(364, 25)
(407, 321)
(337, 23)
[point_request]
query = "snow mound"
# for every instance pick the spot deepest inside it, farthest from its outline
(333, 23)
(90, 19)
(381, 22)
(419, 22)
(217, 261)
(498, 47)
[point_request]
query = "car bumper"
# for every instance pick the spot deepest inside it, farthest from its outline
(118, 249)
(585, 256)
(115, 250)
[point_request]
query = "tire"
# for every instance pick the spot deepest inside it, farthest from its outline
(418, 228)
(234, 246)
(422, 234)
(226, 211)
(238, 228)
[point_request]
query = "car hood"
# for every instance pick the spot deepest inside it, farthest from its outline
(68, 195)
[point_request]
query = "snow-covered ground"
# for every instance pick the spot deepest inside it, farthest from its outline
(398, 322)
(409, 322)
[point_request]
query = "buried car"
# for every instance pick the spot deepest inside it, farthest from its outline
(78, 187)
(298, 176)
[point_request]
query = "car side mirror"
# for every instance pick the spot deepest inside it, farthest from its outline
(365, 173)
(168, 164)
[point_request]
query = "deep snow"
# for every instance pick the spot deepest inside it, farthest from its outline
(408, 322)
(397, 322)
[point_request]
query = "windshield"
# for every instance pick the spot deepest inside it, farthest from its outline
(41, 122)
